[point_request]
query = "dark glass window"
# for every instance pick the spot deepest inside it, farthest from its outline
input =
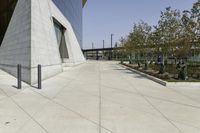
(6, 10)
(60, 35)
(72, 10)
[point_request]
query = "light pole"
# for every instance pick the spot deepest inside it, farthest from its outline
(103, 47)
(112, 40)
(111, 46)
(92, 46)
(116, 51)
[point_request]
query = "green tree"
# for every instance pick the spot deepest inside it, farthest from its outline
(195, 16)
(138, 40)
(167, 32)
(124, 51)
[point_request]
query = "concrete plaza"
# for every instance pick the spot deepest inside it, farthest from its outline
(98, 97)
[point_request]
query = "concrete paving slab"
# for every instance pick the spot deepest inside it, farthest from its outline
(30, 102)
(82, 103)
(31, 127)
(12, 118)
(57, 119)
(130, 100)
(121, 119)
(187, 129)
(185, 113)
(98, 97)
(2, 95)
(51, 87)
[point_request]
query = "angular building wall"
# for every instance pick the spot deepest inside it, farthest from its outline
(31, 40)
(15, 47)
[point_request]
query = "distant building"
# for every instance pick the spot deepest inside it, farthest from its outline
(46, 32)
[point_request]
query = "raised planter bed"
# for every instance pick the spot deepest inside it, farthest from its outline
(171, 83)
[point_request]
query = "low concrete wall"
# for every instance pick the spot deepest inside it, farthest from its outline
(164, 83)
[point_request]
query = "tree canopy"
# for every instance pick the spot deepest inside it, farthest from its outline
(176, 34)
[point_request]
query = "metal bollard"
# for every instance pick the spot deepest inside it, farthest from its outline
(19, 76)
(39, 77)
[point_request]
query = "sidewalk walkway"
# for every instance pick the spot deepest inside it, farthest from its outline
(98, 97)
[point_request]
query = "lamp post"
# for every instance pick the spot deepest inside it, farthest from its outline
(112, 40)
(103, 47)
(92, 46)
(116, 51)
(111, 46)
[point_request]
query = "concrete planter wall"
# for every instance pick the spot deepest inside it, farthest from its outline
(165, 83)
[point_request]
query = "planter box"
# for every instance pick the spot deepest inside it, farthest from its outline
(164, 83)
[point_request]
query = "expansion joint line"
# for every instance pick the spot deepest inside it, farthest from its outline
(10, 97)
(100, 98)
(100, 101)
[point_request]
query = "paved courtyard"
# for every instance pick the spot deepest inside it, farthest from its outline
(98, 97)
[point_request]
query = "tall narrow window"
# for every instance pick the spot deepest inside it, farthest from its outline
(7, 8)
(60, 31)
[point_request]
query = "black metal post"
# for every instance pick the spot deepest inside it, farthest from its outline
(103, 47)
(19, 76)
(39, 77)
(112, 40)
(111, 46)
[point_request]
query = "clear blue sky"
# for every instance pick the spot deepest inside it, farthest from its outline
(103, 17)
